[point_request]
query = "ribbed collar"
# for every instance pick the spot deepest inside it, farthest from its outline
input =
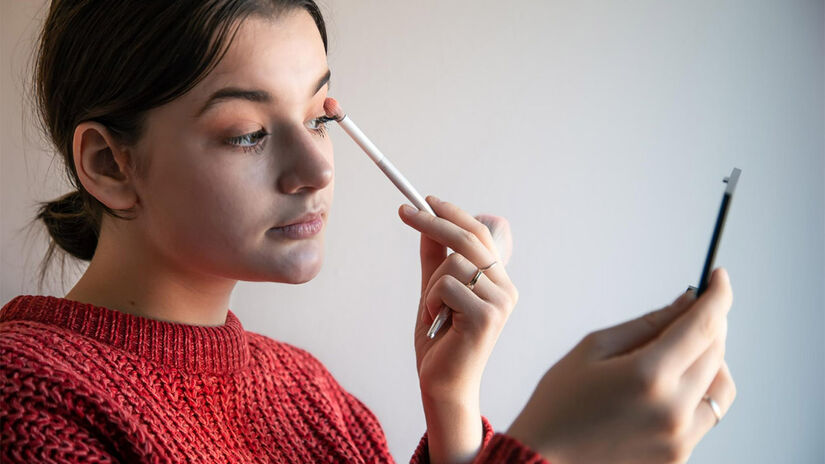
(218, 349)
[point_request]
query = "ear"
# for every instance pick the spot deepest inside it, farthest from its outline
(103, 167)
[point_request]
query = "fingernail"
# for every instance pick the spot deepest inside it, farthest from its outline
(690, 287)
(407, 210)
(434, 198)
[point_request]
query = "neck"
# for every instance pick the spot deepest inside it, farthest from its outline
(131, 278)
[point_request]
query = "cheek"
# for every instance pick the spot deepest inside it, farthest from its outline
(201, 202)
(209, 209)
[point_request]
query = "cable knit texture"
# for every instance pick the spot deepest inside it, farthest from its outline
(83, 383)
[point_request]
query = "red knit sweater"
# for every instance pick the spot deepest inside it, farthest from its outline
(83, 383)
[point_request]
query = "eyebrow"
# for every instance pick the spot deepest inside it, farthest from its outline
(253, 95)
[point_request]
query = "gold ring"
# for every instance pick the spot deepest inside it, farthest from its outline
(478, 274)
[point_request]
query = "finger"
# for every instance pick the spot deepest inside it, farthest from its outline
(625, 338)
(464, 271)
(431, 252)
(461, 218)
(433, 255)
(697, 378)
(502, 235)
(683, 341)
(466, 305)
(448, 234)
(723, 392)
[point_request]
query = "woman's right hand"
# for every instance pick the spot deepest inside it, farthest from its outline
(633, 393)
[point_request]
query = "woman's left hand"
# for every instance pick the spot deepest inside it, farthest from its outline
(451, 364)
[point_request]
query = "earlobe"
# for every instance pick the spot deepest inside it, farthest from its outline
(103, 166)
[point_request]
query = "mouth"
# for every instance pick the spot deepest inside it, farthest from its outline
(304, 226)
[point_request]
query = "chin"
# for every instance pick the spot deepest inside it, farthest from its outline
(294, 262)
(305, 275)
(302, 267)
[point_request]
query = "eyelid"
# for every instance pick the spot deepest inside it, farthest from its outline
(259, 137)
(318, 126)
(321, 120)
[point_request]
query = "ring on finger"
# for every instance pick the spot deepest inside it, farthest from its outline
(480, 271)
(717, 412)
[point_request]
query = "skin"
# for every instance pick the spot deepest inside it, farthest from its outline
(632, 393)
(205, 208)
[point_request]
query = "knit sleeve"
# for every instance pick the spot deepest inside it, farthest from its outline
(50, 413)
(368, 436)
(496, 448)
(35, 434)
(36, 425)
(507, 450)
(422, 452)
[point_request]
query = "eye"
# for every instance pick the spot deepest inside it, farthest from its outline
(249, 142)
(319, 125)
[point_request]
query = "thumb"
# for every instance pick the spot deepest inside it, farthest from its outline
(628, 336)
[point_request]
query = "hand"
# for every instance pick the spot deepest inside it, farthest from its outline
(452, 363)
(450, 366)
(633, 393)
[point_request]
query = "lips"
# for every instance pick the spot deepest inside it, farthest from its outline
(308, 217)
(304, 227)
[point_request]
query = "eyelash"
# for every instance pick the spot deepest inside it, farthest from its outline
(321, 130)
(257, 136)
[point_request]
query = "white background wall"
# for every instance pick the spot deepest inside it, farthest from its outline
(602, 131)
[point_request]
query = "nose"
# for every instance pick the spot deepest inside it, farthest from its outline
(307, 165)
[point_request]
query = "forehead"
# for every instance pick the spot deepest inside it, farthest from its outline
(284, 56)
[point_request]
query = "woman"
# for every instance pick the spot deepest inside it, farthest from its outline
(194, 132)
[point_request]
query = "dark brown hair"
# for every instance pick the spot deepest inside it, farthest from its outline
(112, 61)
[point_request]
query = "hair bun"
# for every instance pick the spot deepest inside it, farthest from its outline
(71, 225)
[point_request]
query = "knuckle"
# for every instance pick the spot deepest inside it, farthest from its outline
(724, 330)
(430, 219)
(509, 305)
(650, 382)
(443, 284)
(592, 341)
(730, 384)
(455, 259)
(481, 231)
(671, 422)
(468, 237)
(513, 291)
(488, 316)
(501, 301)
(676, 452)
(651, 318)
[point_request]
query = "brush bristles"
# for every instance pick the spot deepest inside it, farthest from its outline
(333, 109)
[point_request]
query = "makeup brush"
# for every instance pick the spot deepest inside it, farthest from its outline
(334, 111)
(499, 228)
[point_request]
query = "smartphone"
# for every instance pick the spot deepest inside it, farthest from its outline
(704, 281)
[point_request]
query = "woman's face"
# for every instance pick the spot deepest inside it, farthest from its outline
(241, 155)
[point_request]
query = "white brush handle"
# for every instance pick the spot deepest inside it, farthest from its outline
(385, 165)
(411, 193)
